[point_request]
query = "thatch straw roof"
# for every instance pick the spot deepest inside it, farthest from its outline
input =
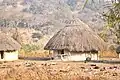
(7, 43)
(76, 36)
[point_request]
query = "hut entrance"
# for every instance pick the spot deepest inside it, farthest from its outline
(60, 51)
(2, 54)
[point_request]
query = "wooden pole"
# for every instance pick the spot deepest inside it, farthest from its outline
(97, 54)
(49, 53)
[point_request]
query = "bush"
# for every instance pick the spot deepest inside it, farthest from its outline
(30, 47)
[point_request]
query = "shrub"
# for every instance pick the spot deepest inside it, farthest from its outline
(30, 47)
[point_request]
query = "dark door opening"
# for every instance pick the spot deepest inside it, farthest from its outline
(62, 51)
(2, 54)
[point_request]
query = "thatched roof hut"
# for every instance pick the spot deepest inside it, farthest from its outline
(76, 36)
(7, 43)
(8, 48)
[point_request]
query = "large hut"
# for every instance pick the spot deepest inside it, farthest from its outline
(8, 48)
(77, 41)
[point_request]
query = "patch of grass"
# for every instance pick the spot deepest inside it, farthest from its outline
(38, 53)
(30, 47)
(108, 54)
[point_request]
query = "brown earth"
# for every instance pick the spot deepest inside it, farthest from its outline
(52, 70)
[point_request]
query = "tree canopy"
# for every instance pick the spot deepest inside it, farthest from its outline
(112, 19)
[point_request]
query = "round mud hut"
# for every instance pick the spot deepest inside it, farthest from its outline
(76, 42)
(8, 48)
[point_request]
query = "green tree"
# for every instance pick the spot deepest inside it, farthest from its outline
(112, 18)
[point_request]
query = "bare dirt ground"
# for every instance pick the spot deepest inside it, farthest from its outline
(56, 70)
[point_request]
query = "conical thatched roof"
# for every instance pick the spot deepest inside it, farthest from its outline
(76, 36)
(7, 43)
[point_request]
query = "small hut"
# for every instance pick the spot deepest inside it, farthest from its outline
(8, 48)
(77, 41)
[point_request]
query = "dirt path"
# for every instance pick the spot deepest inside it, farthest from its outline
(49, 58)
(36, 58)
(56, 70)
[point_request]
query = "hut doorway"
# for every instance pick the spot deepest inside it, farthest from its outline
(63, 55)
(60, 51)
(2, 54)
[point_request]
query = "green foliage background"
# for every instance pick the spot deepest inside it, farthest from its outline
(30, 47)
(112, 18)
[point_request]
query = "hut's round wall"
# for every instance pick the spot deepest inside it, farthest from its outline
(119, 55)
(77, 56)
(10, 56)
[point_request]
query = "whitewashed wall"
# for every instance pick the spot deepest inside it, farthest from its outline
(75, 56)
(119, 55)
(10, 56)
(82, 57)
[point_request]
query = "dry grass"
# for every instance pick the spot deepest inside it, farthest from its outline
(39, 52)
(31, 70)
(108, 54)
(34, 54)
